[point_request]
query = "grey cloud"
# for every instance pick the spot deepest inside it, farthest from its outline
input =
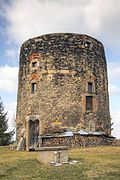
(28, 18)
(31, 18)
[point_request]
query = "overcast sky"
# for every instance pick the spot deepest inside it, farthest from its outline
(24, 19)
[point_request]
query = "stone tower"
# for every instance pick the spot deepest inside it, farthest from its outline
(62, 85)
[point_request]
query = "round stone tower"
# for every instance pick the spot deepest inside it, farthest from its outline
(62, 85)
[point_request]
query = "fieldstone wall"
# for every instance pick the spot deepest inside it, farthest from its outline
(61, 66)
(77, 141)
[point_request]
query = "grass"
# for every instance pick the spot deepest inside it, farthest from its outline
(101, 163)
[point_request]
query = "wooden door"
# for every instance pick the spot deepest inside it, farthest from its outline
(34, 133)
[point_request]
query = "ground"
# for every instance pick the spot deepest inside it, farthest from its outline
(101, 163)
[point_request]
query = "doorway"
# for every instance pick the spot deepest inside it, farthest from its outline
(33, 133)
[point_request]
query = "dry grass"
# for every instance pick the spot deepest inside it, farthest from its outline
(101, 163)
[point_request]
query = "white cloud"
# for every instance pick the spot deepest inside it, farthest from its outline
(114, 71)
(11, 107)
(11, 123)
(114, 89)
(12, 54)
(28, 18)
(114, 76)
(116, 123)
(11, 120)
(8, 78)
(102, 19)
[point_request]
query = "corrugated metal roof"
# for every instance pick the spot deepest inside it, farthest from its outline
(98, 133)
(82, 132)
(67, 133)
(70, 134)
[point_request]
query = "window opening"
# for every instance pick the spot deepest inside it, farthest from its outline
(87, 44)
(89, 103)
(33, 87)
(34, 64)
(90, 87)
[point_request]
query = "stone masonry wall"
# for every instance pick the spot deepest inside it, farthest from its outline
(77, 141)
(66, 63)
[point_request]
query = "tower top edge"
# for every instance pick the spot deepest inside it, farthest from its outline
(62, 35)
